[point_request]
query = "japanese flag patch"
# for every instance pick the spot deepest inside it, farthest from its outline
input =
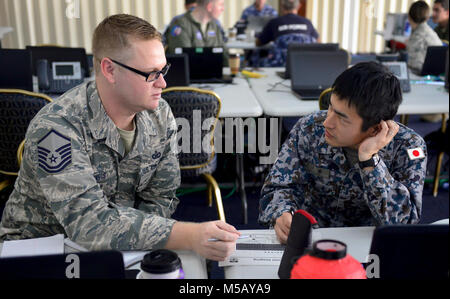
(416, 153)
(54, 152)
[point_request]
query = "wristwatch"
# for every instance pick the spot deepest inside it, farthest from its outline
(372, 162)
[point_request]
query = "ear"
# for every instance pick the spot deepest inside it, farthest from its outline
(374, 130)
(108, 70)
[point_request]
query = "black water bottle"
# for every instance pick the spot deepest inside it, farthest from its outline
(299, 239)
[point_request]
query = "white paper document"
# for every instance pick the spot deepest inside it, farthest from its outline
(260, 248)
(263, 248)
(33, 247)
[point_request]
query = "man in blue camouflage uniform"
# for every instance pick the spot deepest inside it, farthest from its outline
(284, 30)
(258, 9)
(100, 163)
(352, 165)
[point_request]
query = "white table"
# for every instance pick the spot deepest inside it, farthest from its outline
(357, 239)
(422, 99)
(238, 100)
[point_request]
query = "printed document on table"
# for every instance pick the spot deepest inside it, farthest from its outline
(261, 247)
(33, 247)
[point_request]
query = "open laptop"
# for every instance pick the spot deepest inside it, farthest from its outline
(313, 72)
(257, 23)
(304, 47)
(15, 70)
(205, 65)
(434, 63)
(178, 74)
(55, 54)
(91, 265)
(412, 251)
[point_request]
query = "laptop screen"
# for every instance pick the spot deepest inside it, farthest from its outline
(434, 63)
(15, 70)
(178, 74)
(316, 70)
(204, 63)
(294, 47)
(411, 251)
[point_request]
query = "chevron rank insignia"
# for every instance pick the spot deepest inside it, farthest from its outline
(54, 152)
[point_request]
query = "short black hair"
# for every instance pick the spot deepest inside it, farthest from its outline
(187, 2)
(444, 3)
(372, 89)
(419, 12)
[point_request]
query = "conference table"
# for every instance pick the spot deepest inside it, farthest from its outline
(279, 101)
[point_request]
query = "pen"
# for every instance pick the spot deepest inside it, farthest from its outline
(240, 237)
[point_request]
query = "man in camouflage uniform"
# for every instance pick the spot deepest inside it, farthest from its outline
(197, 28)
(284, 30)
(100, 163)
(352, 165)
(422, 36)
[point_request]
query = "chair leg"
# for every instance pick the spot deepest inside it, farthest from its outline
(404, 118)
(437, 174)
(4, 184)
(209, 192)
(214, 186)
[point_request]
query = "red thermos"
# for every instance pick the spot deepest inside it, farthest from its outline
(328, 260)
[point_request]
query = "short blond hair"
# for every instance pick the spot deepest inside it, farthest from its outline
(112, 36)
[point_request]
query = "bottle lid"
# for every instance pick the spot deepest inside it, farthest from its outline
(329, 249)
(160, 261)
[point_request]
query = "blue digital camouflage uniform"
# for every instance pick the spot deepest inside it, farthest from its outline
(252, 11)
(309, 174)
(75, 178)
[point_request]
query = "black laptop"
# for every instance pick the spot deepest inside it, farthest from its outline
(434, 63)
(313, 72)
(16, 69)
(178, 74)
(295, 47)
(205, 64)
(88, 265)
(412, 251)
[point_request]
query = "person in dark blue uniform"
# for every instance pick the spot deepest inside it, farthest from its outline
(286, 29)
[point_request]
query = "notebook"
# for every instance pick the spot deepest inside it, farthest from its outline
(205, 64)
(178, 74)
(294, 47)
(313, 72)
(412, 251)
(16, 69)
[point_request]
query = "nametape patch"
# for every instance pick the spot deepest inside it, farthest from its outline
(416, 153)
(54, 152)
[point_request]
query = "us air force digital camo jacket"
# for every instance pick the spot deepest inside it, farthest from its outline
(311, 175)
(74, 178)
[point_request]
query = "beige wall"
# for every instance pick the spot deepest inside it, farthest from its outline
(352, 23)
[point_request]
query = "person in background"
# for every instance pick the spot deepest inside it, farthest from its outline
(100, 163)
(440, 17)
(283, 30)
(258, 8)
(197, 28)
(351, 165)
(422, 36)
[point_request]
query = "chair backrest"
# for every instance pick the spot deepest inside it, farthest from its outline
(324, 99)
(188, 105)
(17, 109)
(280, 48)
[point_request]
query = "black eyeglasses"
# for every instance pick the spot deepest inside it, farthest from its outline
(149, 77)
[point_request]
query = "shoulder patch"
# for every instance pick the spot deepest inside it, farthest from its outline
(176, 30)
(54, 152)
